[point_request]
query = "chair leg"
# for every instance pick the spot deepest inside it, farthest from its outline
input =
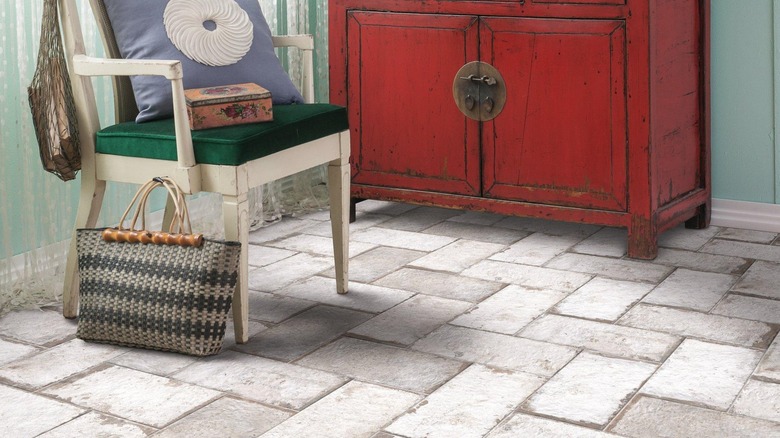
(90, 201)
(170, 209)
(235, 211)
(338, 187)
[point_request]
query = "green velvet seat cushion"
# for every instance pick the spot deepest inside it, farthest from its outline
(229, 145)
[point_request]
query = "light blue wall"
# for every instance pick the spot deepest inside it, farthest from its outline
(744, 100)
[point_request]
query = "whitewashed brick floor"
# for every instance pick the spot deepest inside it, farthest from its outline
(457, 324)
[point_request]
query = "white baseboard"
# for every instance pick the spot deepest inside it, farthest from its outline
(747, 215)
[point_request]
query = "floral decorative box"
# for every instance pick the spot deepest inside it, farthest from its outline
(228, 105)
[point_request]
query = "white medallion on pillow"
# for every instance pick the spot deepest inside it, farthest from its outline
(185, 23)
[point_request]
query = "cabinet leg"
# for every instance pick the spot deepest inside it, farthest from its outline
(642, 239)
(352, 210)
(702, 217)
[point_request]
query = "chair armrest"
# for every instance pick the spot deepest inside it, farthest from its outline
(89, 66)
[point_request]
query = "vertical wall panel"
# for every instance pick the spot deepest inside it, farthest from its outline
(743, 120)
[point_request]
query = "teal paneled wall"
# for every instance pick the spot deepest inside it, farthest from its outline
(744, 149)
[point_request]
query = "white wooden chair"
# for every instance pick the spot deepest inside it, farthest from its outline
(232, 181)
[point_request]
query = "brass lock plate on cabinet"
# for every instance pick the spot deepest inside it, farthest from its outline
(479, 91)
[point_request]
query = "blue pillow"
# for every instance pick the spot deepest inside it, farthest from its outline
(141, 33)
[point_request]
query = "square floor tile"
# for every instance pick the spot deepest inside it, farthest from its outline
(590, 390)
(709, 375)
(469, 405)
(133, 395)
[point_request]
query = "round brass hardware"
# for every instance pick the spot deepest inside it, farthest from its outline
(479, 82)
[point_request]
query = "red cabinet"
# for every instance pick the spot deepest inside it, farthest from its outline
(605, 120)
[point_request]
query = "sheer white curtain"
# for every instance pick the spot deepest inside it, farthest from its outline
(37, 209)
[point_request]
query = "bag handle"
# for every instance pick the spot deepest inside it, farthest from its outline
(180, 230)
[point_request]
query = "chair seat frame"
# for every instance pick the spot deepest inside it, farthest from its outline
(232, 182)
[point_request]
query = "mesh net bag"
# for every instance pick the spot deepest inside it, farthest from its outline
(51, 102)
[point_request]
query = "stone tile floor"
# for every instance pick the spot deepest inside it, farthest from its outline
(457, 325)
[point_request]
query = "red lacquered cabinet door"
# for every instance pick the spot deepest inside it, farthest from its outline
(561, 138)
(409, 133)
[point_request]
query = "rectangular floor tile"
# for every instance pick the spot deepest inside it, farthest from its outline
(269, 307)
(364, 221)
(556, 228)
(630, 270)
(710, 375)
(318, 245)
(603, 299)
(355, 410)
(747, 235)
(497, 350)
(263, 380)
(26, 414)
(383, 364)
(691, 289)
(279, 230)
(701, 262)
(700, 325)
(411, 320)
(590, 390)
(11, 351)
(303, 333)
(133, 395)
(457, 256)
(609, 339)
(610, 242)
(365, 297)
(469, 405)
(57, 363)
(377, 263)
(37, 327)
(510, 309)
(226, 417)
(265, 255)
(769, 367)
(530, 276)
(685, 238)
(650, 417)
(481, 233)
(528, 426)
(440, 284)
(758, 309)
(476, 218)
(95, 424)
(759, 400)
(162, 363)
(419, 219)
(746, 250)
(761, 279)
(536, 249)
(401, 239)
(280, 274)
